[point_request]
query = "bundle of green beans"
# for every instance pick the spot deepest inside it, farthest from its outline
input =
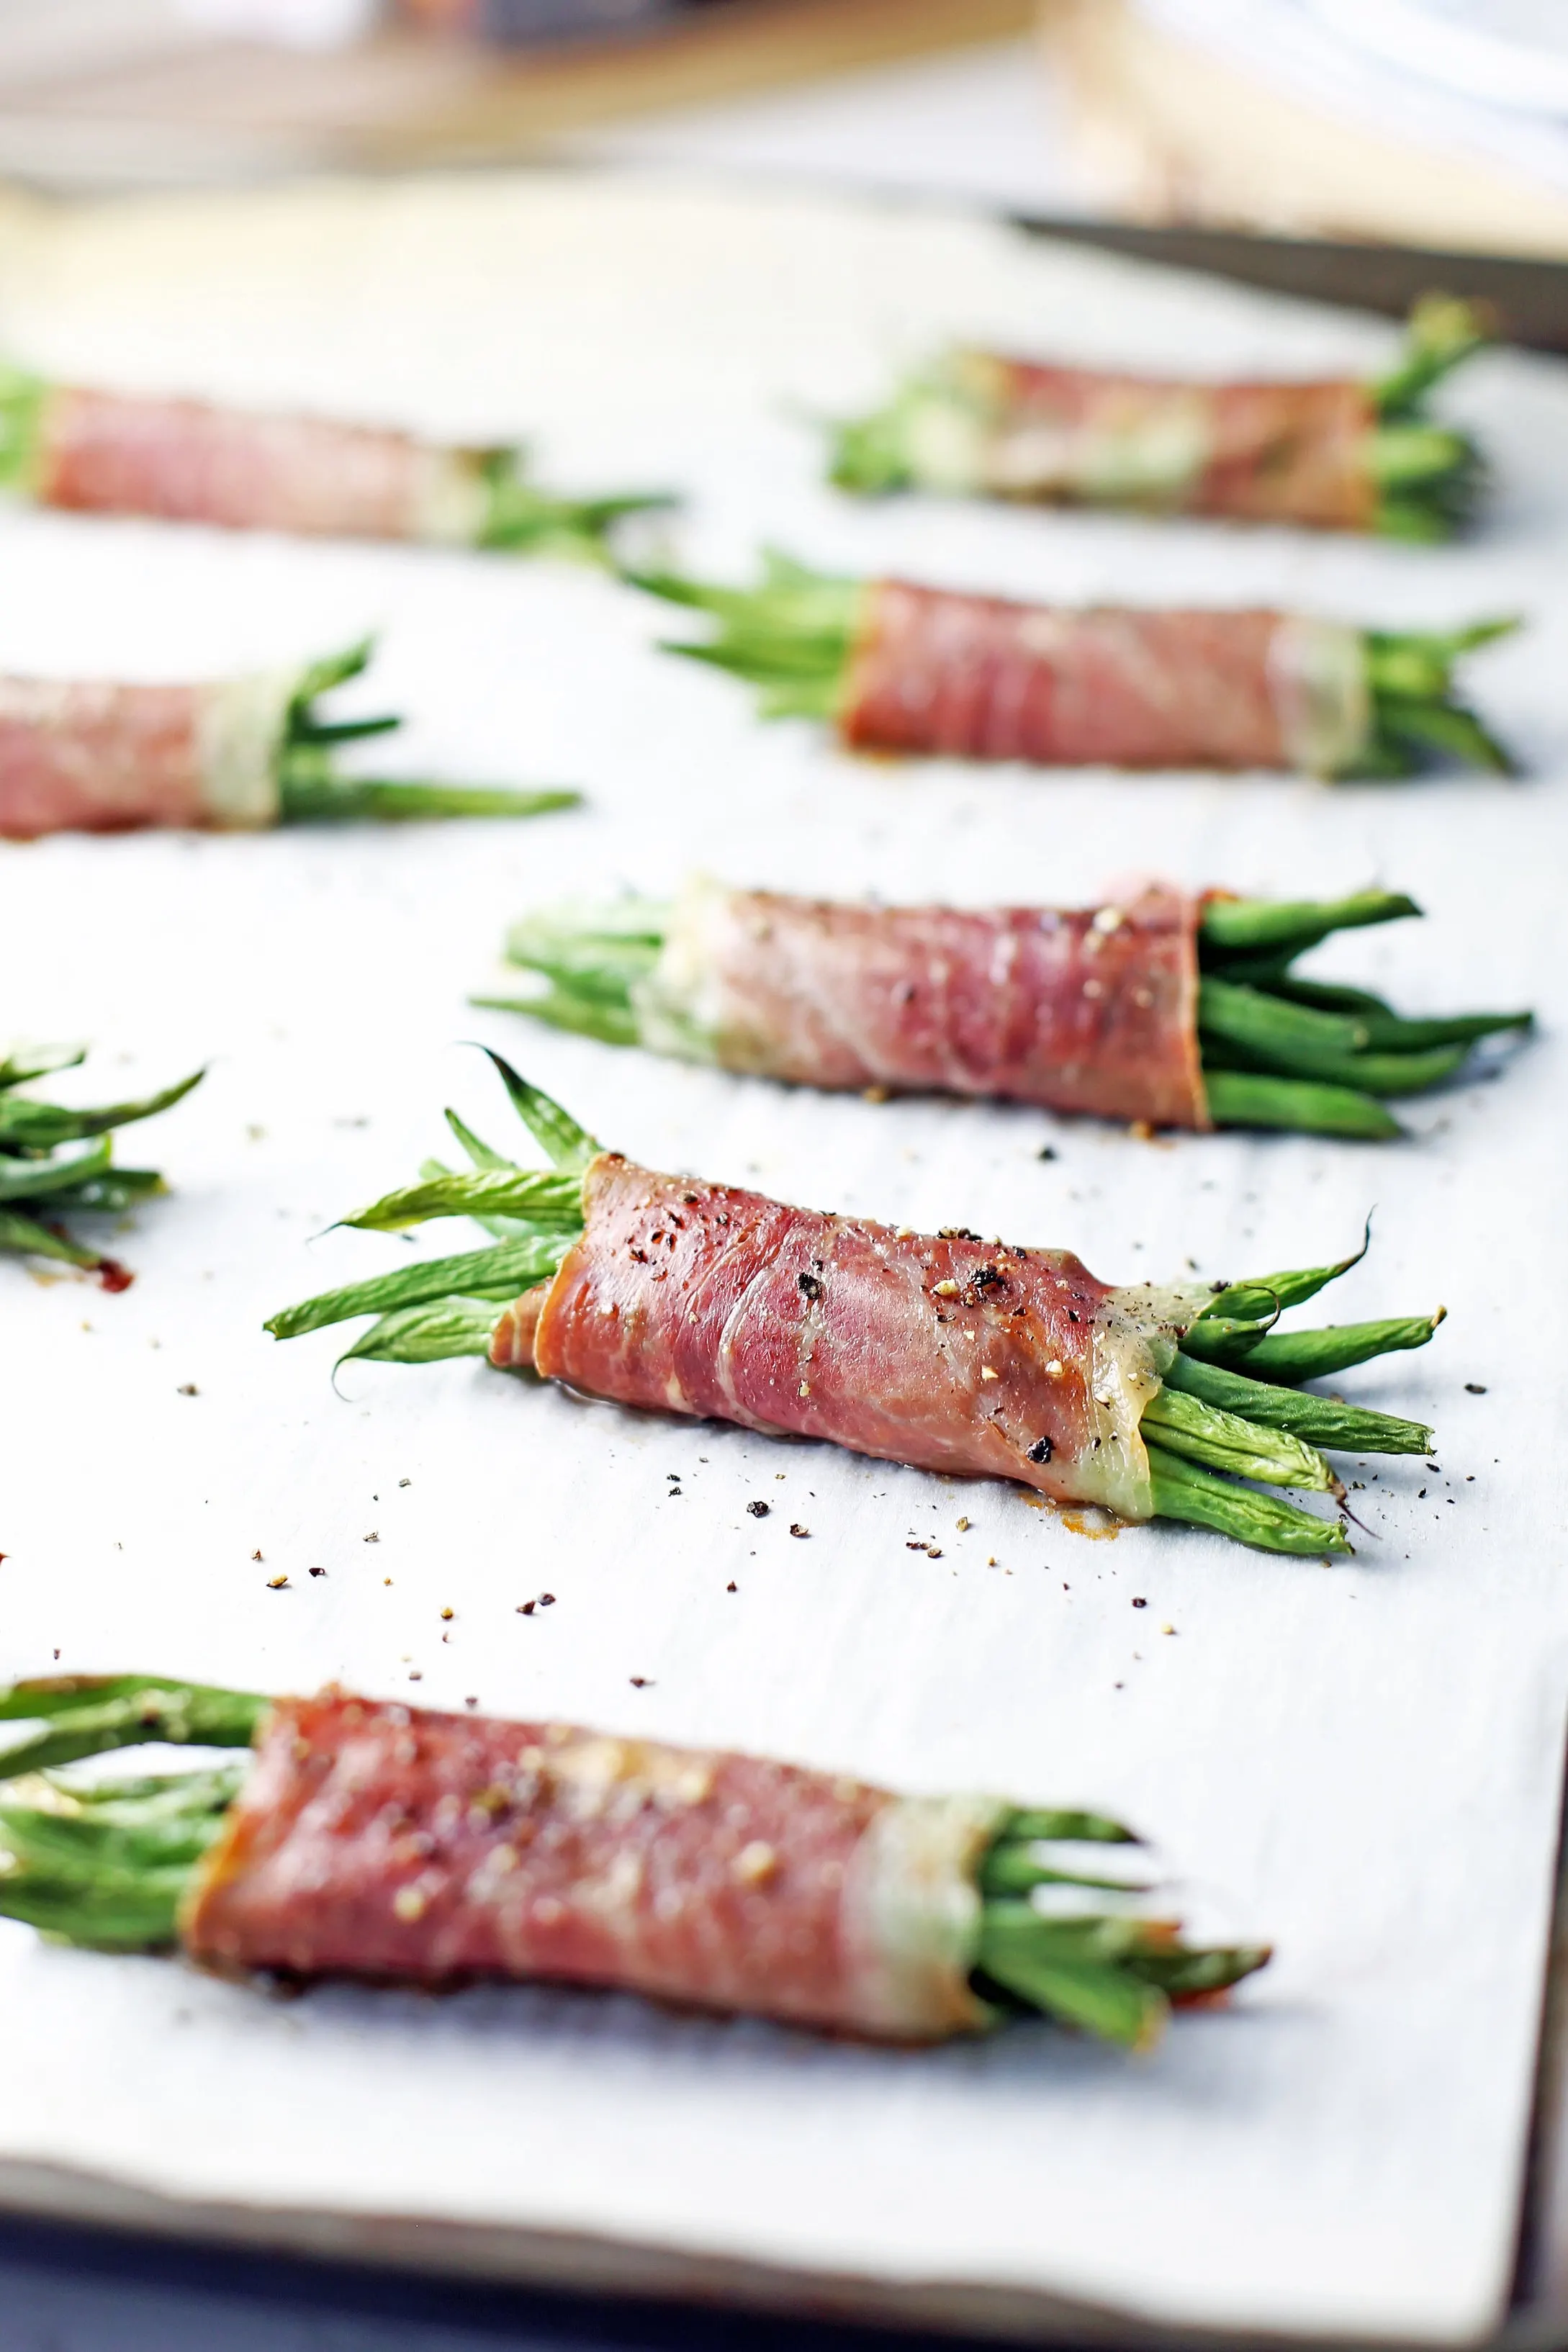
(794, 637)
(40, 1184)
(1230, 1409)
(1426, 476)
(1277, 1051)
(310, 789)
(110, 1864)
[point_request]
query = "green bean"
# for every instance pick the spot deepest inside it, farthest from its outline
(1090, 1829)
(1442, 726)
(1389, 1031)
(1292, 1355)
(501, 1273)
(34, 1240)
(1242, 926)
(1443, 331)
(1400, 457)
(1222, 1439)
(431, 1333)
(1248, 1098)
(564, 1008)
(1349, 1428)
(1183, 1491)
(1011, 1869)
(89, 1716)
(1291, 1038)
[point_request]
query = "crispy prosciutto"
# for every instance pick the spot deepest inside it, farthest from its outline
(98, 452)
(1163, 1007)
(1092, 1009)
(185, 461)
(980, 1359)
(373, 1839)
(1335, 454)
(978, 678)
(946, 1351)
(898, 665)
(539, 1850)
(79, 756)
(234, 755)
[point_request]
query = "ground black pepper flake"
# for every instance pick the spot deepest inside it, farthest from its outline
(525, 1608)
(729, 1588)
(758, 1509)
(547, 1600)
(1139, 1603)
(318, 1572)
(796, 1530)
(641, 1682)
(1475, 1388)
(1041, 1450)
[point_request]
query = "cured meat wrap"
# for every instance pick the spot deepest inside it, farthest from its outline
(898, 667)
(943, 1351)
(1341, 455)
(947, 1352)
(380, 1841)
(977, 677)
(99, 452)
(1163, 1007)
(233, 755)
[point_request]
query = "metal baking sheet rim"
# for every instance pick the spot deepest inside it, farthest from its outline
(581, 2263)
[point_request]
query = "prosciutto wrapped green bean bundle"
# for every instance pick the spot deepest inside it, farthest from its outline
(1345, 455)
(189, 461)
(943, 1351)
(364, 1839)
(40, 1183)
(893, 666)
(234, 756)
(1167, 1008)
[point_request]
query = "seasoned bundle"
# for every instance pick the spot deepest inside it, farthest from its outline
(39, 1184)
(973, 1358)
(1339, 455)
(895, 666)
(235, 755)
(378, 1840)
(1166, 1008)
(187, 461)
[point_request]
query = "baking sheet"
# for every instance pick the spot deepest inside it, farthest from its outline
(1361, 1762)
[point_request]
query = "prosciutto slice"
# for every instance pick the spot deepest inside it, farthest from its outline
(1292, 453)
(980, 678)
(185, 461)
(77, 756)
(943, 1351)
(1093, 1009)
(386, 1841)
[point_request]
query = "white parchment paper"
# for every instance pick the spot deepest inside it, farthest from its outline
(1361, 1762)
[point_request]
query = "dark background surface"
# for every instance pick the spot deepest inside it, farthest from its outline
(77, 2291)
